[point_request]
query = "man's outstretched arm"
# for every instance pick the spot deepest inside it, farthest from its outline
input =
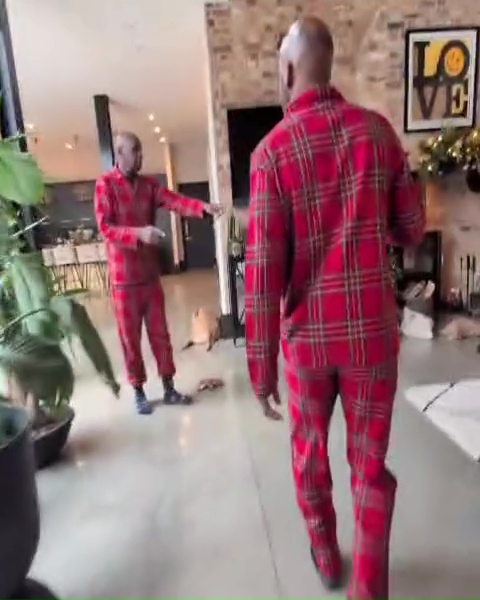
(184, 206)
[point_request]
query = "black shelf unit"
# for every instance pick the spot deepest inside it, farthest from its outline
(423, 263)
(236, 275)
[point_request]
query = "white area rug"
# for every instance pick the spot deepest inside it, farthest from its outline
(454, 408)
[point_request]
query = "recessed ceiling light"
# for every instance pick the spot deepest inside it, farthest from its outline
(68, 146)
(157, 129)
(162, 140)
(30, 126)
(151, 117)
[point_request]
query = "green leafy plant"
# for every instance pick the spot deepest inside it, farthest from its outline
(35, 318)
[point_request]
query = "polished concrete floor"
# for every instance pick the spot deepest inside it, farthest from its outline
(198, 502)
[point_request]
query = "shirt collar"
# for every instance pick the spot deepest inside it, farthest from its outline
(317, 95)
(117, 173)
(120, 176)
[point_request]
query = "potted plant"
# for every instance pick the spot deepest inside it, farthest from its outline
(36, 320)
(19, 518)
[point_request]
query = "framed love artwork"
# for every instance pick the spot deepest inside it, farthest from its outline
(441, 71)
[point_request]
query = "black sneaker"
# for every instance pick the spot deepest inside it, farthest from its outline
(143, 405)
(174, 398)
(329, 582)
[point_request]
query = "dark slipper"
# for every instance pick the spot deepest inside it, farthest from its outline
(210, 384)
(143, 405)
(174, 398)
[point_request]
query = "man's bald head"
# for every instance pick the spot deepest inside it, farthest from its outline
(306, 56)
(128, 153)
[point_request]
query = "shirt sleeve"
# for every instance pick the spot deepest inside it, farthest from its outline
(185, 207)
(124, 236)
(407, 208)
(265, 276)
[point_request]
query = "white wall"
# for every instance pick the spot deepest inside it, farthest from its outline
(83, 163)
(191, 161)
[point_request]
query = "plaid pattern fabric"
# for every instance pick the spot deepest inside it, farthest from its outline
(330, 188)
(367, 398)
(121, 207)
(134, 304)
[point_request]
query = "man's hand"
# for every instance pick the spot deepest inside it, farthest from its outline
(150, 235)
(215, 210)
(267, 408)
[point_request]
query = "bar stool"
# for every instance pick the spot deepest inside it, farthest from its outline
(87, 257)
(47, 259)
(102, 266)
(66, 267)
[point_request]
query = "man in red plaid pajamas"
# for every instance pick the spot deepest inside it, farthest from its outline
(125, 205)
(330, 187)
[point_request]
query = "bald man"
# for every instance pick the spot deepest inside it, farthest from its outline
(125, 206)
(330, 188)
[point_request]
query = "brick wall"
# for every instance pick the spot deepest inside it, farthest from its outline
(242, 40)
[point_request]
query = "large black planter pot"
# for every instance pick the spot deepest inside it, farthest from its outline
(33, 590)
(19, 518)
(446, 168)
(49, 446)
(473, 180)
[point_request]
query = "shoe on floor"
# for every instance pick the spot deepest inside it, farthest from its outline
(142, 404)
(329, 582)
(174, 398)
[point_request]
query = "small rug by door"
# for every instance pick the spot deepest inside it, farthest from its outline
(454, 408)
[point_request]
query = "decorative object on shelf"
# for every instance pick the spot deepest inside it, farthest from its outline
(441, 78)
(450, 151)
(236, 237)
(442, 154)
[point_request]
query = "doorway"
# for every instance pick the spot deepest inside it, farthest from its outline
(198, 234)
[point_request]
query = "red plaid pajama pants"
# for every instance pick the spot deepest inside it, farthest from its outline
(133, 305)
(367, 395)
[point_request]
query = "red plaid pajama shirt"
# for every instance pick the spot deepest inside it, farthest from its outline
(121, 208)
(330, 188)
